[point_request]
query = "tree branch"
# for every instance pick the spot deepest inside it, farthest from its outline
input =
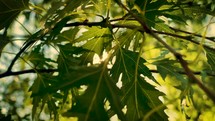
(6, 74)
(138, 28)
(194, 34)
(10, 73)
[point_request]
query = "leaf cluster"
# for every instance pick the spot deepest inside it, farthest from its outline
(96, 59)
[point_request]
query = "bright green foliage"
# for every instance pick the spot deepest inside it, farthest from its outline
(101, 60)
(167, 67)
(96, 39)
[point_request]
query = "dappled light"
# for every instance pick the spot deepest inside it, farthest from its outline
(107, 60)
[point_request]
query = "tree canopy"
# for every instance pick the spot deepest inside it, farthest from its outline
(101, 60)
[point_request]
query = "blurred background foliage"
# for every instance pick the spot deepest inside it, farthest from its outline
(97, 57)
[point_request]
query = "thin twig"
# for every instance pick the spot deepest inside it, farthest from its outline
(194, 34)
(183, 72)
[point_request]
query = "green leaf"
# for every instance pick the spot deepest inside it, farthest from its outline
(99, 85)
(161, 26)
(38, 58)
(40, 94)
(127, 38)
(9, 10)
(151, 9)
(55, 5)
(90, 105)
(36, 88)
(92, 101)
(137, 41)
(125, 64)
(67, 36)
(210, 54)
(76, 76)
(113, 94)
(52, 107)
(58, 27)
(3, 42)
(141, 97)
(95, 45)
(71, 56)
(36, 105)
(93, 32)
(167, 67)
(175, 18)
(96, 38)
(42, 84)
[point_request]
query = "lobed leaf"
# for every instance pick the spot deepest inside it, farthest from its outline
(96, 38)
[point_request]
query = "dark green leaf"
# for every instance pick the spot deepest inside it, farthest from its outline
(125, 64)
(211, 58)
(140, 97)
(113, 96)
(67, 36)
(9, 10)
(58, 27)
(76, 76)
(3, 42)
(38, 58)
(71, 56)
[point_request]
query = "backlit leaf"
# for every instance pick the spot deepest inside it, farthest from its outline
(96, 38)
(67, 36)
